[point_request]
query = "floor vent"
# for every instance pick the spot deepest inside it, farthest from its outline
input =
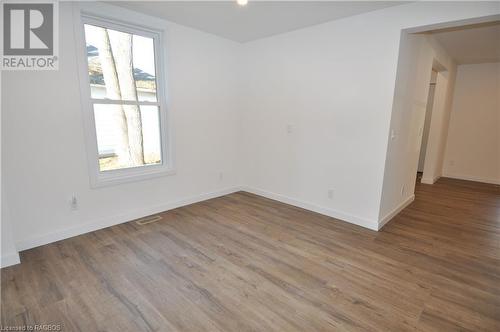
(148, 220)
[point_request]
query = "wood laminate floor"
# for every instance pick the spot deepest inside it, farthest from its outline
(245, 263)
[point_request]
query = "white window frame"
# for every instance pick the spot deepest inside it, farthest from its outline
(122, 20)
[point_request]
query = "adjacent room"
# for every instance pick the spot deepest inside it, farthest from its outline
(250, 165)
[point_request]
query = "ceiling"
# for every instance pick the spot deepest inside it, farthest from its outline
(471, 44)
(256, 20)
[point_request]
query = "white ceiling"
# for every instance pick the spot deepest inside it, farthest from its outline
(471, 44)
(256, 20)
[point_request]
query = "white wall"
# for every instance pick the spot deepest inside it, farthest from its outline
(321, 82)
(8, 251)
(473, 145)
(334, 85)
(44, 159)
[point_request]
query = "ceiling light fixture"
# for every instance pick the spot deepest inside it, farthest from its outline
(242, 2)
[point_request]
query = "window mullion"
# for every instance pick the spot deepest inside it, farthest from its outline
(124, 102)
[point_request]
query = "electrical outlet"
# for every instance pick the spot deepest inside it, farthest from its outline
(289, 129)
(221, 176)
(73, 202)
(403, 190)
(331, 193)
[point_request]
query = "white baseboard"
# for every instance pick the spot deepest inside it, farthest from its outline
(471, 178)
(10, 259)
(394, 212)
(429, 180)
(370, 224)
(115, 220)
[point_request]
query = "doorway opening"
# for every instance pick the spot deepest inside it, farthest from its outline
(438, 130)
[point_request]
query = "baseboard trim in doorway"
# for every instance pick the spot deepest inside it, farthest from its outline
(115, 220)
(388, 217)
(471, 178)
(429, 180)
(370, 224)
(10, 259)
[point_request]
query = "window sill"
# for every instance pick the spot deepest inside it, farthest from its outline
(117, 177)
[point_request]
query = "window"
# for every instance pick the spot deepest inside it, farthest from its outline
(124, 104)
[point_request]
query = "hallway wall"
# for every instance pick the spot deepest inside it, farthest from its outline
(473, 146)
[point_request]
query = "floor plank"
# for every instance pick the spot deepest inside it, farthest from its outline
(246, 263)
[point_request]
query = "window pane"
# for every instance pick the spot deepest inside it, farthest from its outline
(144, 68)
(151, 134)
(121, 65)
(127, 136)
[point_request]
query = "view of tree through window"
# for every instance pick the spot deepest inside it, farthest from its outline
(122, 79)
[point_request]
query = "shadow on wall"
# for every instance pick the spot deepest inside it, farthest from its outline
(427, 122)
(439, 124)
